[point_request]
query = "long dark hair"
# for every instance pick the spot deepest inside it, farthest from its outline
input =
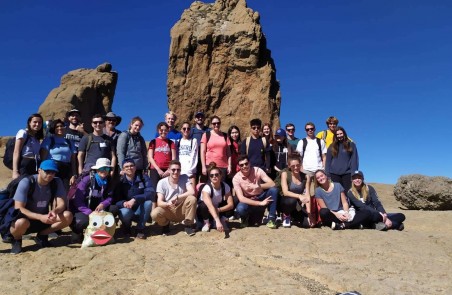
(345, 142)
(231, 141)
(40, 133)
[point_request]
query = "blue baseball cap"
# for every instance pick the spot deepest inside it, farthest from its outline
(49, 165)
(280, 132)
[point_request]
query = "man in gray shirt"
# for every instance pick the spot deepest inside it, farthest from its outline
(33, 197)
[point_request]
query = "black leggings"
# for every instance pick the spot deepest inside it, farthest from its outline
(345, 180)
(362, 217)
(203, 211)
(28, 166)
(288, 206)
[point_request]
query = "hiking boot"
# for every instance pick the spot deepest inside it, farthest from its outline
(42, 241)
(272, 224)
(337, 226)
(286, 221)
(244, 222)
(165, 230)
(189, 231)
(380, 226)
(16, 247)
(401, 227)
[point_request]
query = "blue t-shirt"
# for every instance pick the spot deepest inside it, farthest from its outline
(62, 149)
(332, 199)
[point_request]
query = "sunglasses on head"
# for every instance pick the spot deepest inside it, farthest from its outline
(244, 164)
(104, 169)
(212, 175)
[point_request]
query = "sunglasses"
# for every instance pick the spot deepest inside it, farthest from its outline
(111, 120)
(214, 175)
(104, 169)
(174, 170)
(163, 130)
(244, 164)
(290, 129)
(185, 128)
(98, 122)
(216, 123)
(295, 166)
(255, 127)
(310, 129)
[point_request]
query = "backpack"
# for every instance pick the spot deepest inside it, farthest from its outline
(202, 185)
(73, 188)
(91, 140)
(278, 179)
(305, 144)
(178, 145)
(8, 213)
(9, 151)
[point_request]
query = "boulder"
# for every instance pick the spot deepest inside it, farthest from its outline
(220, 64)
(89, 90)
(423, 192)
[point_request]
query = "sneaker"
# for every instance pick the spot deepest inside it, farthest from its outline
(165, 230)
(42, 241)
(272, 224)
(140, 234)
(380, 226)
(279, 220)
(206, 227)
(264, 219)
(189, 231)
(337, 226)
(16, 247)
(286, 221)
(401, 227)
(244, 222)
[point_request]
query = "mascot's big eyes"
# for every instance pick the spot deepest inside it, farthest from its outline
(96, 221)
(109, 220)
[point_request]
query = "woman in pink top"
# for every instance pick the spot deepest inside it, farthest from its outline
(214, 148)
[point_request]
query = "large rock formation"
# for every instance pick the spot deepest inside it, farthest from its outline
(220, 64)
(423, 192)
(89, 90)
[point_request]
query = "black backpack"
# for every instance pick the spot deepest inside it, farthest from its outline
(201, 186)
(305, 144)
(9, 151)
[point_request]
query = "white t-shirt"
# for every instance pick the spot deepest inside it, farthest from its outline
(164, 187)
(217, 197)
(312, 161)
(188, 156)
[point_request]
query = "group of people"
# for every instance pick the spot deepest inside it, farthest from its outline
(198, 176)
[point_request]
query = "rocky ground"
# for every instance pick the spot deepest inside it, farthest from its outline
(252, 261)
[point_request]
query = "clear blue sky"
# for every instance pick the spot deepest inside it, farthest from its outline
(382, 67)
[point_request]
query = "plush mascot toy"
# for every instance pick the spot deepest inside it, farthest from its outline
(100, 230)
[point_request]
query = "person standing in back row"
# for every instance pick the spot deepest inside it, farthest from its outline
(312, 151)
(173, 134)
(257, 148)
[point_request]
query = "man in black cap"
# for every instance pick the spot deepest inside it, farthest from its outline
(75, 130)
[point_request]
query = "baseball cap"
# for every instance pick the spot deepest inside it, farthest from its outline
(49, 165)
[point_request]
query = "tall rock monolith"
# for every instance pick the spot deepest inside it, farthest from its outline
(220, 64)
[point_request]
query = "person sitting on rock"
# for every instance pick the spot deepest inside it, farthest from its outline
(364, 197)
(175, 200)
(134, 195)
(35, 216)
(334, 208)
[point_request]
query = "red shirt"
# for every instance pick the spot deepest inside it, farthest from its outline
(162, 152)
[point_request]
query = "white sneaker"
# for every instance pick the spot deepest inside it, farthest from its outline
(286, 221)
(206, 227)
(264, 219)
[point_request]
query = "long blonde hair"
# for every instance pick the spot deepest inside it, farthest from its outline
(364, 191)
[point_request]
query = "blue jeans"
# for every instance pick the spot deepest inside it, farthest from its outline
(141, 214)
(243, 209)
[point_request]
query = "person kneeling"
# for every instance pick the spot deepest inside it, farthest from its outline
(175, 200)
(35, 216)
(134, 194)
(215, 201)
(254, 189)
